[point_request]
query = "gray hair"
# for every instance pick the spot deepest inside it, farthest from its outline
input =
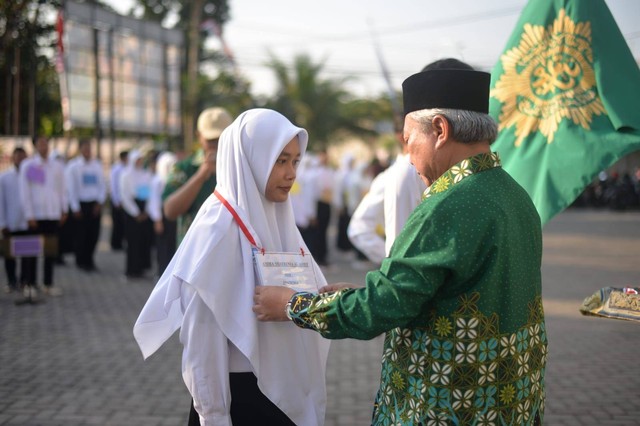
(467, 126)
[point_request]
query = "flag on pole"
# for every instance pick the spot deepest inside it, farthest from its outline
(566, 96)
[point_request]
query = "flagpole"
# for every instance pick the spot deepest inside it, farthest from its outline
(395, 105)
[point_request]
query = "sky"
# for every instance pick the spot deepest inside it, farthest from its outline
(410, 33)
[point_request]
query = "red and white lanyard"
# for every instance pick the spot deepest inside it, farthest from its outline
(241, 224)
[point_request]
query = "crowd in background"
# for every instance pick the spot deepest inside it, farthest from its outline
(64, 199)
(613, 191)
(131, 192)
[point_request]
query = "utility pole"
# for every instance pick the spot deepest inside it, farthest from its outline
(192, 72)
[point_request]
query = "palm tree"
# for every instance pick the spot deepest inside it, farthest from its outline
(322, 106)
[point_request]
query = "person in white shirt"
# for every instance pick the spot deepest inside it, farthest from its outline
(43, 197)
(356, 185)
(87, 193)
(12, 220)
(304, 200)
(366, 227)
(341, 201)
(117, 214)
(135, 188)
(383, 212)
(67, 230)
(165, 229)
(237, 369)
(396, 195)
(325, 178)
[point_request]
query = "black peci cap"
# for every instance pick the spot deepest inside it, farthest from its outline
(447, 88)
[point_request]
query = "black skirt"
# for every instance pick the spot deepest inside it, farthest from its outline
(249, 406)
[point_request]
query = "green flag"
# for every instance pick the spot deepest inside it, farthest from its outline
(566, 96)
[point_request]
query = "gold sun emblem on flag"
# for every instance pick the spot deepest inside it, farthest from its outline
(548, 77)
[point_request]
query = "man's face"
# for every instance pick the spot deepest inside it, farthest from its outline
(283, 173)
(421, 149)
(210, 149)
(209, 146)
(42, 146)
(18, 157)
(85, 150)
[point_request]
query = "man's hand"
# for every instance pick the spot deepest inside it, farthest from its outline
(208, 166)
(269, 302)
(181, 200)
(330, 288)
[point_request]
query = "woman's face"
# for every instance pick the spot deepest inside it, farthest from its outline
(283, 173)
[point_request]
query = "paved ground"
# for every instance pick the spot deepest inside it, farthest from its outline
(73, 361)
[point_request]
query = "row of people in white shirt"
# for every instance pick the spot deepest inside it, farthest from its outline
(378, 207)
(376, 221)
(46, 189)
(38, 186)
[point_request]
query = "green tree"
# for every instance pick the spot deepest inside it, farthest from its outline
(227, 90)
(28, 104)
(322, 106)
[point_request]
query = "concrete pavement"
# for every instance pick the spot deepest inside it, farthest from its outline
(72, 360)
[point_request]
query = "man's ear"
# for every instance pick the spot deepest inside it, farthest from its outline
(441, 127)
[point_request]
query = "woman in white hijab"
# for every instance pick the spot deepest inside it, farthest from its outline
(165, 230)
(207, 289)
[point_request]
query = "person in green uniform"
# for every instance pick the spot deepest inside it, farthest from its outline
(459, 296)
(193, 179)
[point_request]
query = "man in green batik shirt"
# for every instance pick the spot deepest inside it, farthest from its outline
(193, 179)
(459, 296)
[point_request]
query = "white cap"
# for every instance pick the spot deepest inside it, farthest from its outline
(212, 121)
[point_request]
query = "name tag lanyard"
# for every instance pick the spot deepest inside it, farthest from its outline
(291, 270)
(241, 224)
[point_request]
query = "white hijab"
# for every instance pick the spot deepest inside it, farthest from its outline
(215, 258)
(165, 162)
(133, 158)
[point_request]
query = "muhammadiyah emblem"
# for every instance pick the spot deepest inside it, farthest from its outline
(548, 77)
